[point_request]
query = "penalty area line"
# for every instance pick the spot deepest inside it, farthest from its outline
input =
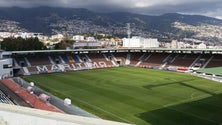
(186, 100)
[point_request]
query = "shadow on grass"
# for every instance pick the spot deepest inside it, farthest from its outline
(206, 111)
(202, 90)
(183, 83)
(164, 84)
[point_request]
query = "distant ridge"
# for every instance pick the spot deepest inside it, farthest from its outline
(51, 20)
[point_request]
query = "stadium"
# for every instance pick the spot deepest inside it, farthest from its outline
(155, 86)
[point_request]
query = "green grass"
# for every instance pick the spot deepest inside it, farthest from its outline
(216, 71)
(139, 96)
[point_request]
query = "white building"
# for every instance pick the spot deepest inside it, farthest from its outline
(86, 44)
(57, 36)
(6, 34)
(78, 38)
(90, 39)
(202, 46)
(174, 44)
(181, 45)
(140, 42)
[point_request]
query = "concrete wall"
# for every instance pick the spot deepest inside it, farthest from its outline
(6, 69)
(16, 115)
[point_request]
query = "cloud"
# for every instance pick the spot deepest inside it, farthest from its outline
(203, 7)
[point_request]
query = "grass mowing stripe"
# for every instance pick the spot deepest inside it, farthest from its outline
(186, 100)
(193, 115)
(138, 95)
(98, 108)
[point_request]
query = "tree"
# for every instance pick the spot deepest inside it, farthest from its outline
(19, 44)
(64, 44)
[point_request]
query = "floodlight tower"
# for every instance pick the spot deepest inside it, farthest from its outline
(128, 30)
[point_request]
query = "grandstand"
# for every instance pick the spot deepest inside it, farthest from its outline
(36, 62)
(5, 99)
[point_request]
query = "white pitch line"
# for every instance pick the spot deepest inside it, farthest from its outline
(186, 100)
(192, 95)
(104, 110)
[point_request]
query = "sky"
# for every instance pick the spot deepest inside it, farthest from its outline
(212, 8)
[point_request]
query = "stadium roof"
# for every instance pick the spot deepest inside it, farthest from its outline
(123, 50)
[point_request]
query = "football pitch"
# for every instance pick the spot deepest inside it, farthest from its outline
(139, 96)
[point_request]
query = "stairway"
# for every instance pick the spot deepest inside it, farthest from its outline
(51, 61)
(207, 62)
(26, 71)
(27, 61)
(195, 61)
(127, 59)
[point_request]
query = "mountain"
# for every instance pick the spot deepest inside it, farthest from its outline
(69, 21)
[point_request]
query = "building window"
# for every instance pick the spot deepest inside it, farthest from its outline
(7, 66)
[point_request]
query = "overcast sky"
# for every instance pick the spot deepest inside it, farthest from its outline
(211, 8)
